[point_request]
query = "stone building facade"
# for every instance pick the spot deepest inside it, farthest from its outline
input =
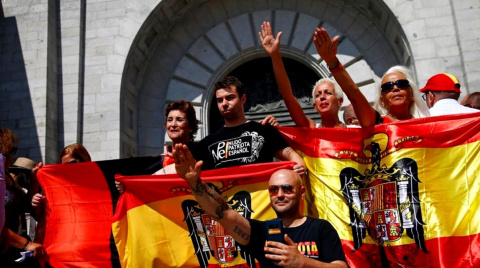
(100, 72)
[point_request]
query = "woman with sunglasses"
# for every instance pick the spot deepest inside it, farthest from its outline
(327, 95)
(74, 153)
(71, 154)
(397, 98)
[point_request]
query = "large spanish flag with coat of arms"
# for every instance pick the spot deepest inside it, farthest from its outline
(399, 195)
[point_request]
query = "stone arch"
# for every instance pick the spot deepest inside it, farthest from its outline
(185, 46)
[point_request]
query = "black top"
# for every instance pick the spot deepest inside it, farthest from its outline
(244, 144)
(316, 239)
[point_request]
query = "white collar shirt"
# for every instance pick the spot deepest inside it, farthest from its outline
(450, 106)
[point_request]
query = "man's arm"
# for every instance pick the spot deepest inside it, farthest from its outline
(288, 154)
(210, 201)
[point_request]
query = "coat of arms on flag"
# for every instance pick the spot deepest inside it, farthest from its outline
(384, 200)
(209, 237)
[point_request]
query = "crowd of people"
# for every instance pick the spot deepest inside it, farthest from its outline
(241, 142)
(21, 195)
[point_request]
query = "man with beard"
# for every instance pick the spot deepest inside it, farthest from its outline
(239, 141)
(317, 239)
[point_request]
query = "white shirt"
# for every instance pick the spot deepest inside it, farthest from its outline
(450, 106)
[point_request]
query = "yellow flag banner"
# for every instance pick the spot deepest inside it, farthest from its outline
(400, 195)
(158, 222)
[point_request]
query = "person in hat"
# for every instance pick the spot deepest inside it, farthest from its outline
(441, 94)
(21, 171)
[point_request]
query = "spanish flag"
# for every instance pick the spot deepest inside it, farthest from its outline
(158, 222)
(404, 194)
(400, 195)
(80, 203)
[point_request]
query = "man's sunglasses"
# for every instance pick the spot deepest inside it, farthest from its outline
(388, 86)
(286, 189)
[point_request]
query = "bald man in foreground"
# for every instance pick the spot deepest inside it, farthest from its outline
(286, 196)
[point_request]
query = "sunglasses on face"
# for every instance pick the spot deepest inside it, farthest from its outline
(388, 86)
(73, 161)
(286, 189)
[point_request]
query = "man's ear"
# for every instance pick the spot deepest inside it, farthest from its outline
(243, 98)
(431, 98)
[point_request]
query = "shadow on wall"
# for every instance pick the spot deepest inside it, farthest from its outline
(16, 109)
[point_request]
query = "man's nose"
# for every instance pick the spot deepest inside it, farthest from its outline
(280, 193)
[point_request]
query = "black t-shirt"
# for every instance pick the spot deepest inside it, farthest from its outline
(244, 144)
(316, 239)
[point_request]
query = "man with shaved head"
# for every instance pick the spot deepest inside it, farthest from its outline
(349, 116)
(286, 196)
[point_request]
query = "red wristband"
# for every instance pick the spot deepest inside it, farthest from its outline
(336, 69)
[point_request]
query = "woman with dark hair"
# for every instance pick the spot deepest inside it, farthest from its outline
(12, 203)
(71, 154)
(182, 125)
(397, 94)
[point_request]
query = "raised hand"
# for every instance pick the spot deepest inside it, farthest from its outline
(326, 47)
(185, 165)
(269, 43)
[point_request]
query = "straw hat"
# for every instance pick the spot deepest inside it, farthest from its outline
(23, 164)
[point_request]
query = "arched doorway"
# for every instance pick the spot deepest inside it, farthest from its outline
(263, 97)
(181, 53)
